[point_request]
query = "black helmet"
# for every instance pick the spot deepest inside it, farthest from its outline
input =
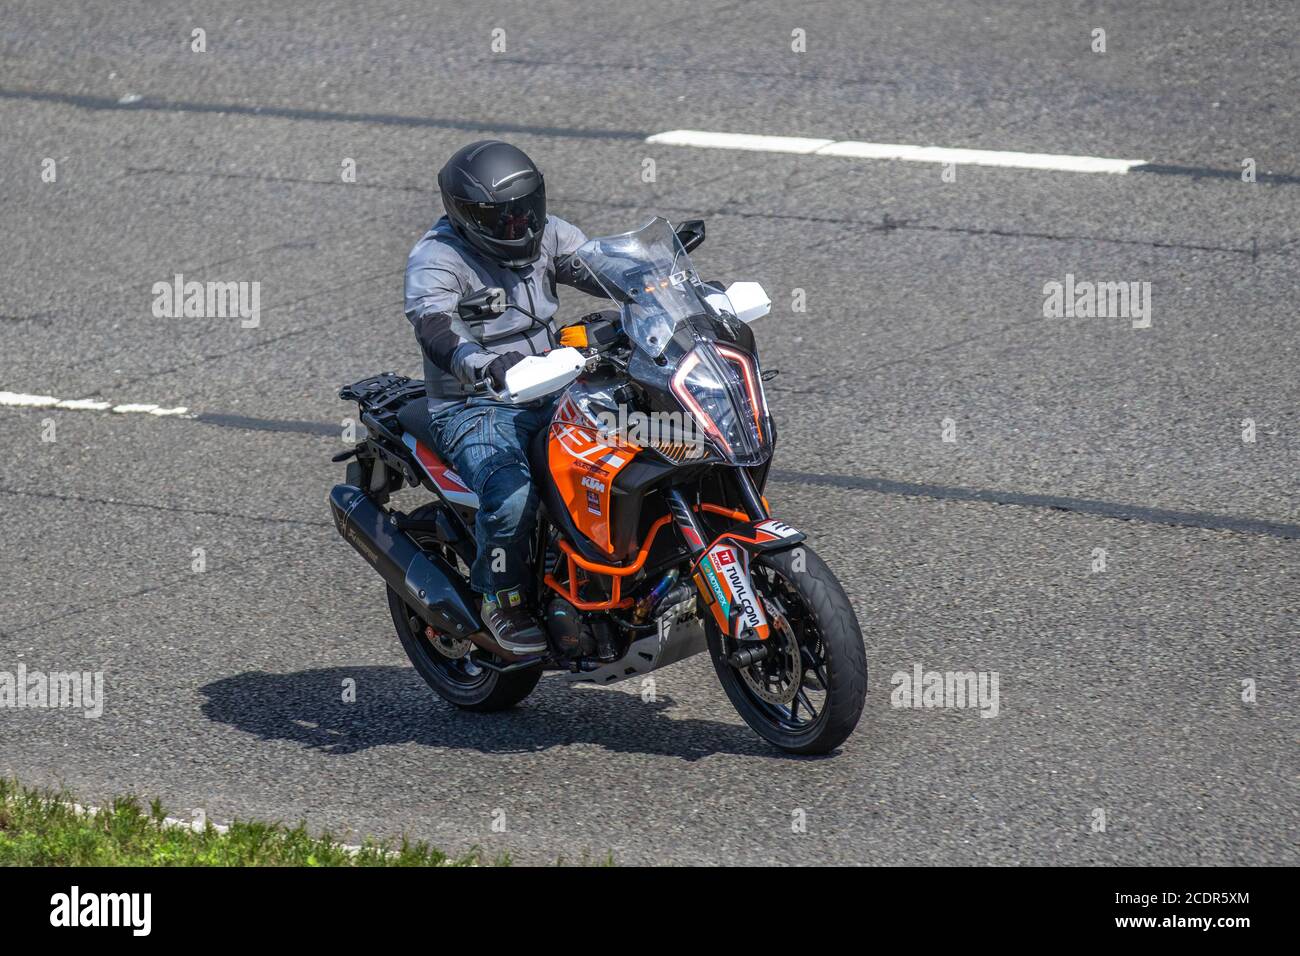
(495, 197)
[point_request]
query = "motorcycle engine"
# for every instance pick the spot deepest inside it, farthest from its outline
(576, 638)
(564, 624)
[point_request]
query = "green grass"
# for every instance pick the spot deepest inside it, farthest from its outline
(44, 828)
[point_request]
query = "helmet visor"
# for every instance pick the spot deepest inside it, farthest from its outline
(506, 221)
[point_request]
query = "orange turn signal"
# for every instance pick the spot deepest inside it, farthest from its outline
(574, 336)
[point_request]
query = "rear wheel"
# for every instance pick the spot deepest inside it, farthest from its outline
(807, 694)
(447, 664)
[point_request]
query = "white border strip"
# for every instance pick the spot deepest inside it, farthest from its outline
(20, 400)
(197, 826)
(913, 154)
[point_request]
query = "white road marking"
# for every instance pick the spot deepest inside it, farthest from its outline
(21, 400)
(763, 144)
(899, 151)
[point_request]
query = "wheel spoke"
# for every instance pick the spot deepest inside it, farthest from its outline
(803, 696)
(816, 667)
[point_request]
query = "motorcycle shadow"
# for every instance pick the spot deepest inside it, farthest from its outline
(392, 705)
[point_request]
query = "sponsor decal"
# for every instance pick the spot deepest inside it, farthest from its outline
(742, 592)
(716, 587)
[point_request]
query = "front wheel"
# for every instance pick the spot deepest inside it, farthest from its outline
(807, 694)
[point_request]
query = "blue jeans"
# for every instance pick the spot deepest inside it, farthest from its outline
(486, 442)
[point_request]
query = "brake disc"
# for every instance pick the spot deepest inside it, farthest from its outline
(448, 647)
(784, 662)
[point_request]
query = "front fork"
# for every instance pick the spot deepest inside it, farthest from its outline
(721, 566)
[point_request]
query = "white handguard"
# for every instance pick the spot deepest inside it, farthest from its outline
(749, 300)
(745, 300)
(538, 375)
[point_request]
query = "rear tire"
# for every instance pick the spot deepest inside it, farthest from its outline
(827, 632)
(459, 681)
(467, 685)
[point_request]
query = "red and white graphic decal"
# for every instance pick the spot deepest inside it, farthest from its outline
(773, 530)
(447, 481)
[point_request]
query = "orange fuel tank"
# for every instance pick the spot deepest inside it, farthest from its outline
(584, 465)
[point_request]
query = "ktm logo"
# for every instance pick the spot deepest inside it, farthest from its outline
(592, 483)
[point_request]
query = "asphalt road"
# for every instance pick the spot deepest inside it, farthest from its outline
(1120, 690)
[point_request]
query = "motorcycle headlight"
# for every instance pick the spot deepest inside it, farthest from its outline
(721, 389)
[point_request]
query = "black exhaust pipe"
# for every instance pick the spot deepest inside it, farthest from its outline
(425, 581)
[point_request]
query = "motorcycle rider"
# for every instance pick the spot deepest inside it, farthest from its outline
(496, 233)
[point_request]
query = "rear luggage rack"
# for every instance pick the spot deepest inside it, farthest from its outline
(381, 397)
(382, 393)
(381, 466)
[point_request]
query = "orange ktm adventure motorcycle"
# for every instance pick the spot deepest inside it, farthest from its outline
(654, 540)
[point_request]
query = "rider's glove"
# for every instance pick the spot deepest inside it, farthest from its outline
(496, 371)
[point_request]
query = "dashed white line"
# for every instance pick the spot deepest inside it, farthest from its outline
(19, 400)
(897, 151)
(22, 400)
(761, 144)
(84, 405)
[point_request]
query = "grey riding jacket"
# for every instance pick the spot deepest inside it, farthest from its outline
(442, 268)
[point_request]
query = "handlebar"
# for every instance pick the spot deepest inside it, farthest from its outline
(535, 376)
(484, 387)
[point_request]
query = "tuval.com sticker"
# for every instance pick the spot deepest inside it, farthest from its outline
(736, 577)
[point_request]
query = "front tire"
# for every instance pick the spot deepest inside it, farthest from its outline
(814, 710)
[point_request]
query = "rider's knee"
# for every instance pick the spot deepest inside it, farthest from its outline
(507, 501)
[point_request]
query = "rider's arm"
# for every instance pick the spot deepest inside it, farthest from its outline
(568, 270)
(431, 297)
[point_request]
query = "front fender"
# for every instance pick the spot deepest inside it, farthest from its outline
(723, 576)
(769, 534)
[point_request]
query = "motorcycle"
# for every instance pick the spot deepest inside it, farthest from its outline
(654, 541)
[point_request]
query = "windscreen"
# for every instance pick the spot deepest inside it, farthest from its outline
(650, 277)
